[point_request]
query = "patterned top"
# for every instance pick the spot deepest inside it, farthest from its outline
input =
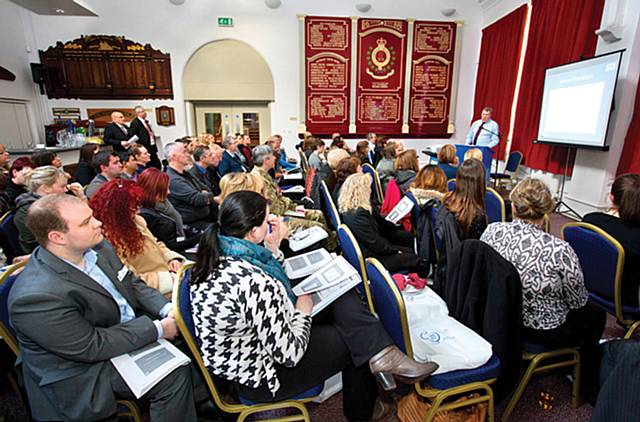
(552, 281)
(247, 324)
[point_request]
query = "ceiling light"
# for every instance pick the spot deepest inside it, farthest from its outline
(177, 2)
(273, 4)
(61, 11)
(363, 7)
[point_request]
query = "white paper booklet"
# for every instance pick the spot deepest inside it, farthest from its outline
(292, 176)
(401, 209)
(307, 237)
(307, 263)
(294, 189)
(329, 283)
(145, 367)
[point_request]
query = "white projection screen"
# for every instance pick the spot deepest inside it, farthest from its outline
(577, 100)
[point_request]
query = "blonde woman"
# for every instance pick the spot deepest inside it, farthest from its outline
(555, 312)
(377, 237)
(42, 181)
(473, 153)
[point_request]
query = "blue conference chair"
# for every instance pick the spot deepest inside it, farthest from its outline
(415, 211)
(8, 277)
(352, 253)
(513, 164)
(330, 207)
(451, 185)
(182, 314)
(439, 388)
(9, 236)
(602, 262)
(376, 186)
(494, 205)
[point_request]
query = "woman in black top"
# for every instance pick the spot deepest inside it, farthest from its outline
(16, 180)
(466, 201)
(85, 172)
(377, 238)
(623, 223)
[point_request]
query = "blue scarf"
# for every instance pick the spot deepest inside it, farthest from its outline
(258, 256)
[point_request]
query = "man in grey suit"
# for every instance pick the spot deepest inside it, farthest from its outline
(74, 307)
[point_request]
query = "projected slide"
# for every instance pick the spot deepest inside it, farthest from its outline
(577, 100)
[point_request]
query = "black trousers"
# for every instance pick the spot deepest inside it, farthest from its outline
(170, 400)
(583, 328)
(344, 337)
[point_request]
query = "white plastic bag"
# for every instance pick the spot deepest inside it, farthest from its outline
(437, 337)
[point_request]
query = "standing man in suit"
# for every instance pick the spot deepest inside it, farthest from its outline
(484, 132)
(74, 307)
(140, 127)
(116, 133)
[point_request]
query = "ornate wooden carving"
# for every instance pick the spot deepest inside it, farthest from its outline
(165, 116)
(106, 67)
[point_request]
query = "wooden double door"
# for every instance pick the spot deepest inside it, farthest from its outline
(221, 119)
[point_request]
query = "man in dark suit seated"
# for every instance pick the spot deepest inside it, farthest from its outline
(231, 162)
(115, 133)
(202, 159)
(74, 307)
(141, 128)
(192, 199)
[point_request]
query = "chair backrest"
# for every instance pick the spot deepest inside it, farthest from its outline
(9, 237)
(513, 163)
(546, 224)
(415, 211)
(352, 253)
(334, 217)
(494, 204)
(7, 280)
(601, 259)
(389, 305)
(451, 185)
(182, 313)
(304, 163)
(376, 186)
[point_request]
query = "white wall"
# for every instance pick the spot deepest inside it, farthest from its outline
(180, 30)
(594, 171)
(16, 41)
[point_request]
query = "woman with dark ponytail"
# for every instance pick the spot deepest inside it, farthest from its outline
(255, 332)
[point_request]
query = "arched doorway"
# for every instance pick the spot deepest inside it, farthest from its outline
(228, 87)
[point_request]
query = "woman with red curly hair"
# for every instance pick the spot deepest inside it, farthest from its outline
(162, 218)
(116, 204)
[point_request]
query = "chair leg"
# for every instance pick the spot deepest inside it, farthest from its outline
(436, 404)
(517, 394)
(575, 389)
(17, 390)
(302, 416)
(132, 410)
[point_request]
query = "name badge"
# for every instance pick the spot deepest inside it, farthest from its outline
(122, 273)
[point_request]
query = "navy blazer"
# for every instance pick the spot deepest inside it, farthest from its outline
(230, 164)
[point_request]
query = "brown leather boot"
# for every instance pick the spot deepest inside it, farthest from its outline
(390, 363)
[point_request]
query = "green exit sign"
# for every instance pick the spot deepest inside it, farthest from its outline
(225, 21)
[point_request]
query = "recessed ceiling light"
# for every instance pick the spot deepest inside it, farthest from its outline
(61, 11)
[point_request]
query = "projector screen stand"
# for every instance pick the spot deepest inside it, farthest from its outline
(568, 211)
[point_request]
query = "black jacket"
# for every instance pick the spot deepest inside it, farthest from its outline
(206, 178)
(137, 128)
(189, 197)
(113, 136)
(164, 229)
(13, 191)
(85, 173)
(483, 291)
(367, 230)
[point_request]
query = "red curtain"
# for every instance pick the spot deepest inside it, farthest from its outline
(560, 31)
(498, 69)
(630, 158)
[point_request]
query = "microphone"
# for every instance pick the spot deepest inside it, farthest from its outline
(499, 135)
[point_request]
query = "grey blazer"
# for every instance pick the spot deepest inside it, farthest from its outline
(68, 327)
